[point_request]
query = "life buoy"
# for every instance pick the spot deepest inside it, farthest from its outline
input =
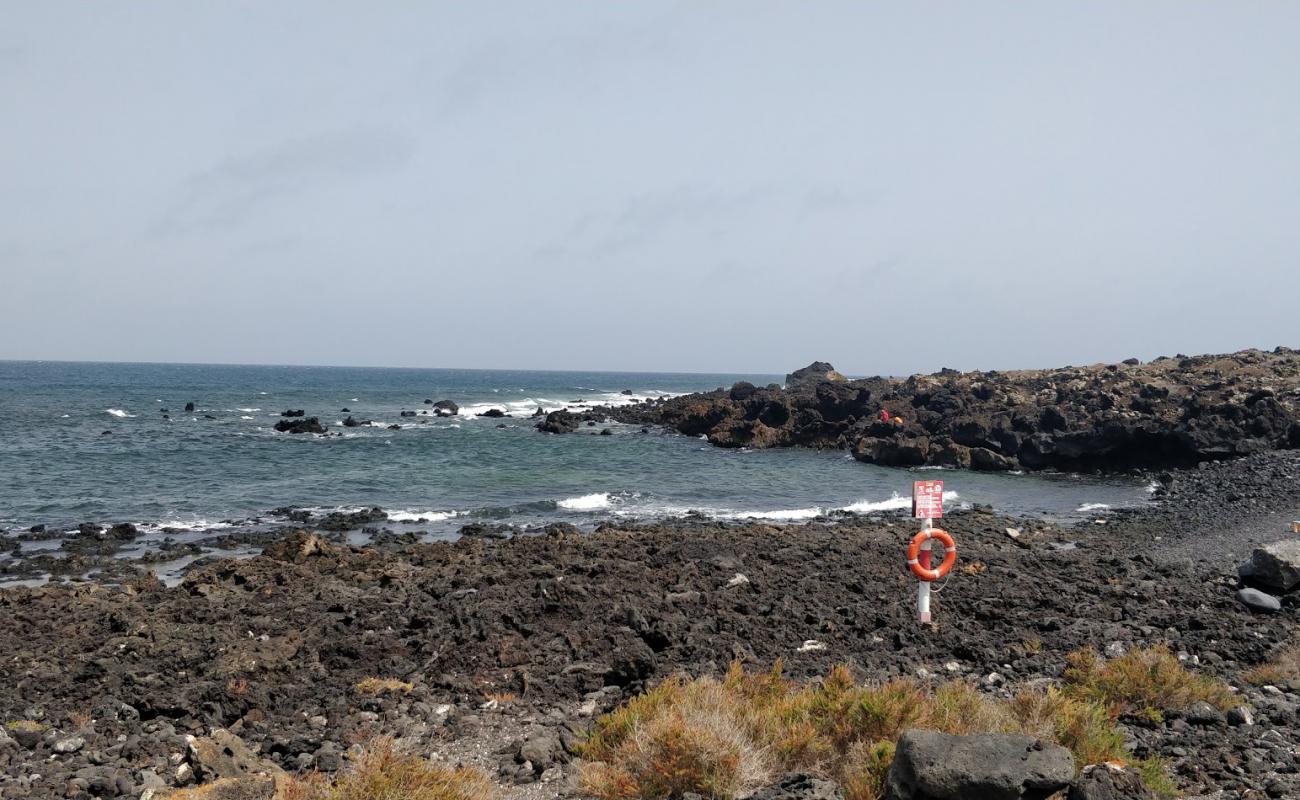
(914, 555)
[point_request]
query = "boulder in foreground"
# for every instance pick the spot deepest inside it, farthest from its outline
(937, 766)
(1275, 565)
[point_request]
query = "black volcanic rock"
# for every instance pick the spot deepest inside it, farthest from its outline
(1166, 413)
(813, 374)
(304, 425)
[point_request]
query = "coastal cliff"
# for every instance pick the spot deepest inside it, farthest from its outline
(1170, 412)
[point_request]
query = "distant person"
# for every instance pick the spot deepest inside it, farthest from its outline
(884, 415)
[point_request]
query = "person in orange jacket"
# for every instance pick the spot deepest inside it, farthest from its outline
(884, 415)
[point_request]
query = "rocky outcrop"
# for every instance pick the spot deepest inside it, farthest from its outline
(813, 374)
(1171, 412)
(937, 766)
(446, 408)
(303, 425)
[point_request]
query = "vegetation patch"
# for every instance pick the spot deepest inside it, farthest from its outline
(373, 687)
(722, 738)
(382, 773)
(1143, 682)
(1282, 668)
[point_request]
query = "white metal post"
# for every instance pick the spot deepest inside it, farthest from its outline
(923, 589)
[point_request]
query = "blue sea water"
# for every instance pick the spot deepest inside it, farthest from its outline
(110, 442)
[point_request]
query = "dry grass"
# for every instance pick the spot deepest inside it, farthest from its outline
(373, 687)
(724, 738)
(1144, 682)
(381, 773)
(26, 725)
(500, 698)
(1282, 668)
(974, 568)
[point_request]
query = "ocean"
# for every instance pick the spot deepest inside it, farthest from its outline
(107, 443)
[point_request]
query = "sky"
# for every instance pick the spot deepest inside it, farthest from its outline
(736, 186)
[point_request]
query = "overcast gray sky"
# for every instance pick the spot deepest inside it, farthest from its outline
(723, 186)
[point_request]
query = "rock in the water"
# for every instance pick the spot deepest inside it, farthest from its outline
(937, 766)
(1275, 565)
(560, 422)
(1109, 782)
(351, 422)
(307, 425)
(798, 786)
(446, 408)
(493, 412)
(189, 406)
(1259, 601)
(292, 412)
(813, 374)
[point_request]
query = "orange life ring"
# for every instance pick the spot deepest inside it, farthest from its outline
(914, 553)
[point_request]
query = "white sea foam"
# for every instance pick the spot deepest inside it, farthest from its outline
(1087, 507)
(787, 515)
(247, 417)
(248, 410)
(893, 503)
(117, 412)
(421, 516)
(588, 502)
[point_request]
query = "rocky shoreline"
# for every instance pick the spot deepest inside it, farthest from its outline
(1171, 412)
(500, 651)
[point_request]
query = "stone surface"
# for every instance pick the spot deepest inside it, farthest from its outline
(1259, 601)
(798, 786)
(1108, 782)
(1275, 565)
(936, 766)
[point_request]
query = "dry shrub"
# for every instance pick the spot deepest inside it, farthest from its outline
(382, 773)
(724, 738)
(1144, 681)
(1083, 726)
(373, 687)
(1282, 668)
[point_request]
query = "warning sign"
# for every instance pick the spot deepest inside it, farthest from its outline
(927, 499)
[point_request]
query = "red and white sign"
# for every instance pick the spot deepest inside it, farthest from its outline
(927, 499)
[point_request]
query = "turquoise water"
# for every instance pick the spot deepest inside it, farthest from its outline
(224, 463)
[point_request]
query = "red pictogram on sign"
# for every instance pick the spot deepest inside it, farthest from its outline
(927, 499)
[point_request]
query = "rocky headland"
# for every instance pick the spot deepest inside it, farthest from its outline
(1171, 412)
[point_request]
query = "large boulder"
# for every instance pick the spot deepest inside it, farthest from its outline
(937, 766)
(813, 374)
(1276, 565)
(445, 408)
